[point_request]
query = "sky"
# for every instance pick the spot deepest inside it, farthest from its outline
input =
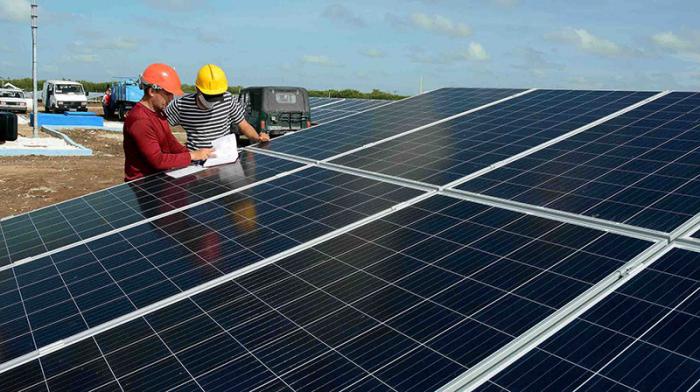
(365, 44)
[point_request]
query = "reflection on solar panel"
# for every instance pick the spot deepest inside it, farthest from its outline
(320, 101)
(406, 303)
(65, 293)
(641, 168)
(339, 136)
(74, 220)
(345, 108)
(449, 151)
(644, 336)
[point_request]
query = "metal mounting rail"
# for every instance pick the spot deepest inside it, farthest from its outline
(567, 217)
(511, 352)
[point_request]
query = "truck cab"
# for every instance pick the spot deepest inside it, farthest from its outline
(125, 94)
(12, 100)
(276, 110)
(63, 95)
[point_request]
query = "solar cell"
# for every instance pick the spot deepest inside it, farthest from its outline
(451, 150)
(325, 141)
(67, 292)
(406, 302)
(643, 337)
(640, 168)
(64, 223)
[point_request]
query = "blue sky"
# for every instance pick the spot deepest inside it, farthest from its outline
(390, 45)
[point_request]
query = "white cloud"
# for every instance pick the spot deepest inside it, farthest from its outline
(81, 58)
(535, 62)
(685, 46)
(115, 43)
(15, 10)
(318, 60)
(590, 43)
(475, 52)
(440, 24)
(373, 53)
(341, 13)
(670, 40)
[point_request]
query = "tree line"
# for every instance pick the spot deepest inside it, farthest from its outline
(26, 85)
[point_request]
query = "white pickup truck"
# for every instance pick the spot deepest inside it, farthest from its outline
(63, 95)
(12, 100)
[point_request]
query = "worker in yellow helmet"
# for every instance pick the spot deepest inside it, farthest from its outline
(210, 112)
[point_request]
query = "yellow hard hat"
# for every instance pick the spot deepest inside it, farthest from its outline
(211, 80)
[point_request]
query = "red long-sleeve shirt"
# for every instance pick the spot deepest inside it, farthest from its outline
(149, 145)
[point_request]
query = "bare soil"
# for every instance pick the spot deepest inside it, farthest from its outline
(31, 182)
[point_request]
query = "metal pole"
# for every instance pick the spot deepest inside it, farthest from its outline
(35, 108)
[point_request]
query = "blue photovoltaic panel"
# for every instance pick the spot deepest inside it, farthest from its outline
(643, 337)
(451, 150)
(641, 168)
(344, 109)
(318, 101)
(358, 105)
(404, 303)
(327, 140)
(62, 224)
(67, 292)
(319, 116)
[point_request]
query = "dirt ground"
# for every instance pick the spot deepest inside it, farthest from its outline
(31, 182)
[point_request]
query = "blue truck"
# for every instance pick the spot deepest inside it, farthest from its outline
(125, 94)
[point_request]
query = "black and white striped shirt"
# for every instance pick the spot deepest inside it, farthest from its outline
(204, 126)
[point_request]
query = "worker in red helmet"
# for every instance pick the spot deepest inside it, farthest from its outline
(149, 145)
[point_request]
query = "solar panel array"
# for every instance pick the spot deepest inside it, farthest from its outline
(644, 336)
(65, 223)
(449, 151)
(365, 273)
(329, 111)
(641, 168)
(343, 135)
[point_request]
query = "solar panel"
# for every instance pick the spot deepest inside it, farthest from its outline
(640, 168)
(320, 116)
(644, 336)
(358, 105)
(62, 224)
(65, 293)
(406, 302)
(451, 150)
(320, 101)
(325, 141)
(696, 235)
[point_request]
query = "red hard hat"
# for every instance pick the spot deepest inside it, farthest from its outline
(162, 76)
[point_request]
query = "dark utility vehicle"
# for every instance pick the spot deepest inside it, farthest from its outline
(276, 110)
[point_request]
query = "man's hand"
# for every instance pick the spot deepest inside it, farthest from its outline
(263, 137)
(201, 154)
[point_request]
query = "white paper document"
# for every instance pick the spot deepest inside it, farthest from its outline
(185, 171)
(225, 151)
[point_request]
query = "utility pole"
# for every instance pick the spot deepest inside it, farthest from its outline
(35, 108)
(420, 85)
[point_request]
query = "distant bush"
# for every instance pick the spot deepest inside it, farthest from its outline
(26, 84)
(349, 93)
